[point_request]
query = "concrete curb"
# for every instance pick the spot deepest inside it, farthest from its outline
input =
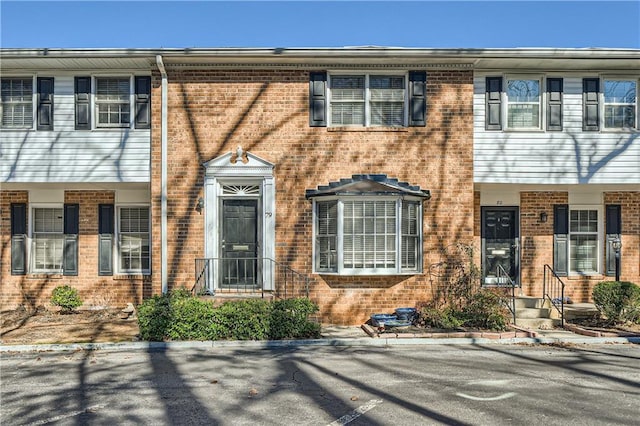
(271, 344)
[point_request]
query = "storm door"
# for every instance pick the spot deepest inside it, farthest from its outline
(500, 244)
(239, 244)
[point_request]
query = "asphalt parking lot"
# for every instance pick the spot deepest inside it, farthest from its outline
(326, 385)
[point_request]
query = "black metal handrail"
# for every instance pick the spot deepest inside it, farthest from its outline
(248, 275)
(553, 289)
(504, 280)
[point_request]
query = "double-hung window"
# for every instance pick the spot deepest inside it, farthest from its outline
(584, 240)
(368, 100)
(523, 103)
(133, 239)
(113, 101)
(368, 235)
(48, 239)
(17, 103)
(620, 104)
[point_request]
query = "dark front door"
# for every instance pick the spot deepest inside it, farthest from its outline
(500, 244)
(239, 243)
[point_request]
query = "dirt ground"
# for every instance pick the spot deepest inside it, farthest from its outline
(21, 327)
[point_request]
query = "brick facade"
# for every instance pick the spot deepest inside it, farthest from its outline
(266, 112)
(34, 290)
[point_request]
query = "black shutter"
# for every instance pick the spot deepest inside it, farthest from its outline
(561, 239)
(614, 229)
(493, 96)
(318, 99)
(554, 104)
(18, 239)
(105, 239)
(45, 103)
(71, 231)
(590, 97)
(417, 98)
(83, 103)
(143, 103)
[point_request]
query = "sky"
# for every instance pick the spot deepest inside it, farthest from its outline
(418, 23)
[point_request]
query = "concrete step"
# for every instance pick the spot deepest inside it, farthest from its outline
(529, 302)
(580, 311)
(532, 313)
(538, 323)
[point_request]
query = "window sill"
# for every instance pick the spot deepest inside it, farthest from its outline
(367, 274)
(45, 276)
(587, 276)
(123, 277)
(367, 129)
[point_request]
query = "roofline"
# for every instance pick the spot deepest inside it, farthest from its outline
(350, 51)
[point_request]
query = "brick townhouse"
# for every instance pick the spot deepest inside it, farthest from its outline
(347, 174)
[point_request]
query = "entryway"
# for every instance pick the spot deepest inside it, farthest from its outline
(500, 244)
(239, 244)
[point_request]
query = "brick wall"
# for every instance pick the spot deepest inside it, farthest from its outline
(266, 112)
(33, 290)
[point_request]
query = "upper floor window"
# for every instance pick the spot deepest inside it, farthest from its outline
(523, 104)
(113, 102)
(17, 103)
(619, 104)
(106, 102)
(368, 100)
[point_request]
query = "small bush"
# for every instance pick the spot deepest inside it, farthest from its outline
(618, 301)
(440, 318)
(66, 297)
(180, 316)
(485, 310)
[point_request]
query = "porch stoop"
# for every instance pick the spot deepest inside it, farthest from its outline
(535, 313)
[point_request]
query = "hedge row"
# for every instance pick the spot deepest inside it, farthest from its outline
(180, 316)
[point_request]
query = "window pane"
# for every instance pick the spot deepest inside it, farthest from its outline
(523, 90)
(619, 116)
(347, 88)
(387, 114)
(133, 239)
(368, 242)
(617, 91)
(347, 113)
(584, 253)
(326, 235)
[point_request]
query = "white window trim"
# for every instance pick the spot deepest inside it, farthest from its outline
(600, 240)
(31, 257)
(602, 104)
(340, 269)
(116, 248)
(367, 97)
(541, 102)
(34, 103)
(94, 105)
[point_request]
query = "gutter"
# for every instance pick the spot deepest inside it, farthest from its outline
(163, 177)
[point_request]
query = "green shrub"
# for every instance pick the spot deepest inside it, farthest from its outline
(618, 301)
(66, 297)
(180, 316)
(445, 317)
(485, 310)
(290, 319)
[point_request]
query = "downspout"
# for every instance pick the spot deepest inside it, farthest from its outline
(163, 177)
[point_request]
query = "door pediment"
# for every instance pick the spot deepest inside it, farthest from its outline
(238, 163)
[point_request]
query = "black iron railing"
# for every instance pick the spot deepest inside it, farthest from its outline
(248, 275)
(553, 290)
(504, 280)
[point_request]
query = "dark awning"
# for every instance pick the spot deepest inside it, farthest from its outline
(373, 184)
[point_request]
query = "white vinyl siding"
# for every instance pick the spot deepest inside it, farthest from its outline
(113, 102)
(133, 240)
(570, 156)
(523, 103)
(355, 236)
(117, 155)
(47, 240)
(584, 241)
(17, 103)
(368, 100)
(619, 104)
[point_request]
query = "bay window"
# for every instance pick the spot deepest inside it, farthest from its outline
(368, 235)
